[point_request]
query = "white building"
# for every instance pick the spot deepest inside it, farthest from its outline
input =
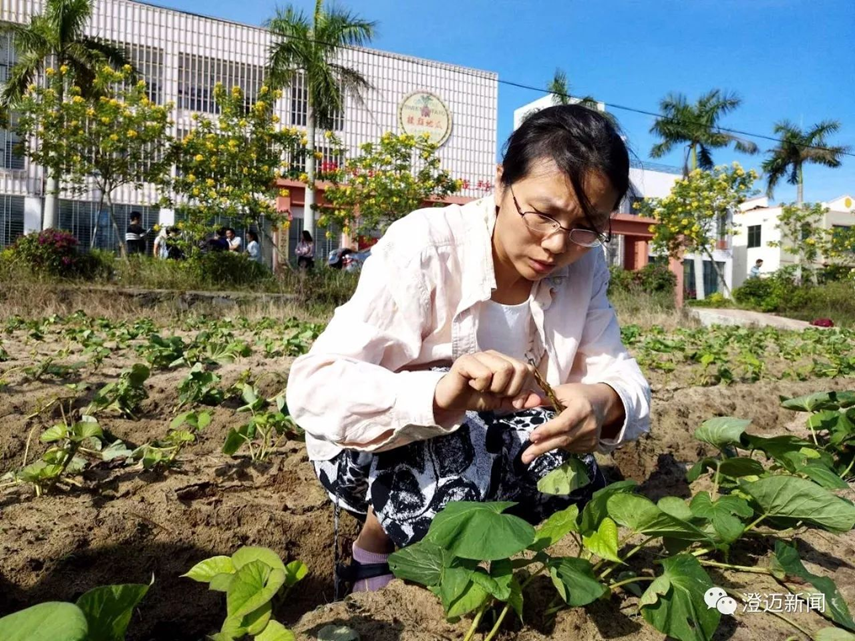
(758, 226)
(182, 56)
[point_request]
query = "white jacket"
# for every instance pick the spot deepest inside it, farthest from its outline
(364, 383)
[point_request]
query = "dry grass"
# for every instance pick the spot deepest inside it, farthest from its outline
(34, 298)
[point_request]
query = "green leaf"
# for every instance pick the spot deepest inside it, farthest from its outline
(596, 509)
(467, 595)
(502, 572)
(836, 608)
(421, 563)
(221, 582)
(797, 499)
(722, 431)
(179, 420)
(575, 581)
(51, 621)
(569, 476)
(87, 429)
(295, 571)
(516, 598)
(275, 631)
(109, 608)
(480, 531)
(203, 420)
(253, 585)
(676, 507)
(55, 433)
(674, 602)
(604, 542)
(741, 466)
(234, 439)
(821, 474)
(206, 570)
(813, 402)
(640, 515)
(250, 553)
(833, 634)
(556, 527)
(721, 514)
(138, 374)
(775, 446)
(257, 620)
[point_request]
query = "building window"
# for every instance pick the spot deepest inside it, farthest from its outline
(7, 55)
(148, 61)
(198, 75)
(300, 104)
(11, 219)
(83, 219)
(753, 236)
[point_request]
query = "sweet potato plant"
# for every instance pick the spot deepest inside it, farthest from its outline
(479, 557)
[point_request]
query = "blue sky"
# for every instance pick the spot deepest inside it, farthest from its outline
(786, 58)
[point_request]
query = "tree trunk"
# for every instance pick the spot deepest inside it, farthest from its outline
(123, 250)
(52, 185)
(800, 189)
(719, 274)
(694, 157)
(97, 220)
(308, 207)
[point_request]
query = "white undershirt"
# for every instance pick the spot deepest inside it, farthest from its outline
(505, 328)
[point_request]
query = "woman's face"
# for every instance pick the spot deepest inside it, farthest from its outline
(230, 234)
(546, 190)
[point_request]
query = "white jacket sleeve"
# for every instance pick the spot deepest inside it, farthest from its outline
(602, 358)
(348, 389)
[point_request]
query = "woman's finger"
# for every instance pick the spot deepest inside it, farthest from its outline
(503, 371)
(568, 420)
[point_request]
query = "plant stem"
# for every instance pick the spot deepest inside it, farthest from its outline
(715, 480)
(846, 471)
(501, 618)
(612, 586)
(754, 523)
(738, 568)
(475, 622)
(531, 578)
(629, 554)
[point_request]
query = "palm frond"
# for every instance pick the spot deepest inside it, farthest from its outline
(67, 19)
(21, 76)
(705, 160)
(114, 55)
(339, 27)
(559, 88)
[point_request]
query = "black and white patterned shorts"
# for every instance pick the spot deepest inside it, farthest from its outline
(480, 461)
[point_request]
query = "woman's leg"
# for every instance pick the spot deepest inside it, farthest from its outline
(372, 537)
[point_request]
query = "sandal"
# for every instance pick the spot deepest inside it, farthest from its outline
(347, 576)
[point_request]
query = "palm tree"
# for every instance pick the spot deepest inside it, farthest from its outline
(697, 126)
(560, 90)
(797, 147)
(312, 48)
(57, 36)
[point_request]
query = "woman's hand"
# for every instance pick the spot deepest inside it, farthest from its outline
(485, 381)
(588, 409)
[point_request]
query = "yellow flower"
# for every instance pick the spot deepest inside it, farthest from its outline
(132, 133)
(275, 119)
(318, 155)
(63, 69)
(304, 141)
(651, 228)
(114, 102)
(284, 192)
(180, 224)
(304, 178)
(210, 182)
(127, 68)
(50, 71)
(191, 178)
(327, 135)
(114, 138)
(263, 90)
(196, 191)
(77, 100)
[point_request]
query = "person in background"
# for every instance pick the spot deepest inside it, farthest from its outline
(135, 234)
(754, 272)
(160, 243)
(235, 242)
(252, 247)
(219, 243)
(306, 251)
(173, 245)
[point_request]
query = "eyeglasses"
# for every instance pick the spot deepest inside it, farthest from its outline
(544, 225)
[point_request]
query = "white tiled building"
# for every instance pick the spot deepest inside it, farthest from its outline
(183, 55)
(758, 226)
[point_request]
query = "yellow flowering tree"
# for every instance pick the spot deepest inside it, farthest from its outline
(227, 166)
(698, 211)
(385, 182)
(114, 137)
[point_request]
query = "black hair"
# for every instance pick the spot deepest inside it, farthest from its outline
(252, 235)
(307, 236)
(135, 215)
(231, 229)
(759, 260)
(221, 231)
(578, 140)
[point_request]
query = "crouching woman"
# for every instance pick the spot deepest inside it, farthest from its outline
(420, 391)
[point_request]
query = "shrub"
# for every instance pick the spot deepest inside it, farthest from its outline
(655, 277)
(756, 292)
(621, 279)
(51, 252)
